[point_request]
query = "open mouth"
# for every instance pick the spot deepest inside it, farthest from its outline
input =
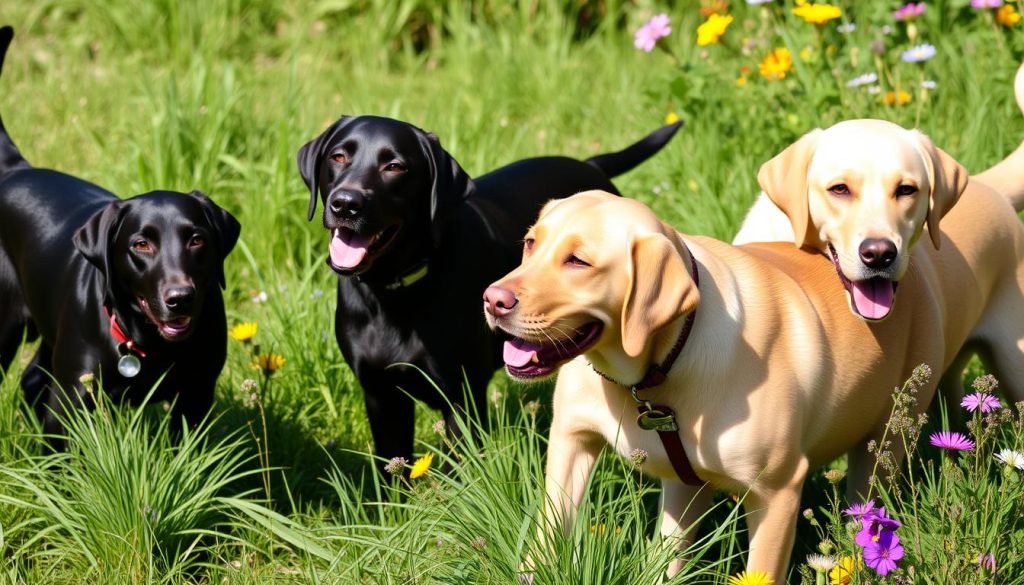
(532, 359)
(871, 298)
(171, 329)
(349, 249)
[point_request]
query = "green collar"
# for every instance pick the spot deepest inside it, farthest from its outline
(410, 278)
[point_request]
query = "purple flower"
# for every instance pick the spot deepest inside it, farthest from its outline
(918, 54)
(987, 561)
(983, 4)
(860, 510)
(874, 527)
(883, 554)
(909, 11)
(981, 400)
(648, 34)
(951, 441)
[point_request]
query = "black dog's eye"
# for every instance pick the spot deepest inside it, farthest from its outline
(142, 246)
(394, 167)
(574, 260)
(340, 158)
(528, 244)
(839, 190)
(905, 190)
(196, 241)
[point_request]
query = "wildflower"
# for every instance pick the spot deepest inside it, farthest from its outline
(980, 401)
(637, 457)
(875, 527)
(846, 28)
(248, 385)
(671, 118)
(986, 384)
(929, 84)
(647, 36)
(243, 332)
(87, 379)
(422, 466)
(875, 89)
(753, 578)
(820, 563)
(983, 4)
(258, 296)
(835, 476)
(479, 543)
(396, 465)
(776, 64)
(918, 54)
(877, 47)
(714, 7)
(268, 363)
(532, 407)
(842, 573)
(805, 54)
(860, 80)
(987, 561)
(438, 427)
(893, 98)
(597, 528)
(741, 81)
(883, 554)
(1011, 458)
(712, 29)
(817, 13)
(860, 510)
(909, 11)
(951, 441)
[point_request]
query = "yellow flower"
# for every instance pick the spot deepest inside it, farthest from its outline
(671, 118)
(422, 466)
(243, 331)
(1007, 15)
(754, 578)
(900, 98)
(712, 29)
(842, 573)
(818, 13)
(268, 362)
(741, 81)
(776, 64)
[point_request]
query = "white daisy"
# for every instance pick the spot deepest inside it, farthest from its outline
(860, 80)
(820, 563)
(1011, 458)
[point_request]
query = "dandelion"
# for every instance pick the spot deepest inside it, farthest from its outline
(860, 510)
(776, 64)
(647, 36)
(894, 98)
(817, 13)
(752, 578)
(883, 554)
(820, 563)
(671, 118)
(243, 332)
(987, 561)
(842, 573)
(866, 79)
(909, 11)
(846, 28)
(712, 29)
(396, 465)
(422, 466)
(951, 441)
(268, 363)
(1007, 15)
(980, 401)
(918, 54)
(1011, 458)
(986, 4)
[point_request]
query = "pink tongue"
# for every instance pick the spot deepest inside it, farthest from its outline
(348, 248)
(518, 352)
(873, 297)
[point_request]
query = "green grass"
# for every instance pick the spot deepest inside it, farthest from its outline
(218, 95)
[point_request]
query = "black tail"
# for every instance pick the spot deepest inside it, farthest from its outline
(10, 156)
(614, 164)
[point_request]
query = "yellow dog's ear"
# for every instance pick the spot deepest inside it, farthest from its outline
(947, 179)
(660, 289)
(784, 179)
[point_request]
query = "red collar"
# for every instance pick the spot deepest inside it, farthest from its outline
(120, 336)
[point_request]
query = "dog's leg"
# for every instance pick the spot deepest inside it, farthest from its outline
(392, 415)
(771, 518)
(682, 506)
(1001, 340)
(36, 377)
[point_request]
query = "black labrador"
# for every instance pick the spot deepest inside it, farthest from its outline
(416, 241)
(122, 290)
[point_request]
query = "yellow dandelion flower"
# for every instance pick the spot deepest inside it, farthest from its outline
(741, 81)
(268, 362)
(805, 54)
(243, 332)
(894, 98)
(422, 466)
(671, 118)
(842, 573)
(712, 29)
(1007, 15)
(817, 13)
(776, 64)
(753, 578)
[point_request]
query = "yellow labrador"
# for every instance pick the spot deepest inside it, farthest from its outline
(774, 375)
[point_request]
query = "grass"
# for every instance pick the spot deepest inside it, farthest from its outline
(218, 95)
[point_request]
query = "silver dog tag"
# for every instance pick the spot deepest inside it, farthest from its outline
(129, 366)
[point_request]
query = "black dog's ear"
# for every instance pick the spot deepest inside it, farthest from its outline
(226, 226)
(95, 239)
(309, 158)
(449, 183)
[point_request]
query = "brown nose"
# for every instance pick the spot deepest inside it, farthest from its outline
(877, 253)
(498, 301)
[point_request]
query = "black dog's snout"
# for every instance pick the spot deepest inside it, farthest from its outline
(179, 297)
(877, 253)
(499, 301)
(346, 204)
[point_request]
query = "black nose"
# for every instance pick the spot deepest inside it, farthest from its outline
(179, 298)
(877, 253)
(499, 301)
(346, 204)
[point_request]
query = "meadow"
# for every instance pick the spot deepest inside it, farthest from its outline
(278, 486)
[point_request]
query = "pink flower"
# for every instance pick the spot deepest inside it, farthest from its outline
(951, 441)
(987, 561)
(881, 555)
(860, 510)
(909, 11)
(648, 34)
(981, 400)
(983, 4)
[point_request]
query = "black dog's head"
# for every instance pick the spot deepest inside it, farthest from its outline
(161, 253)
(387, 189)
